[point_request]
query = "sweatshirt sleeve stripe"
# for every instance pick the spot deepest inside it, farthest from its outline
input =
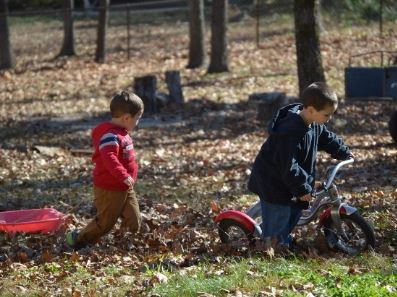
(108, 139)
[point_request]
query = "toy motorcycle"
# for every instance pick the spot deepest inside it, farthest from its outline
(343, 226)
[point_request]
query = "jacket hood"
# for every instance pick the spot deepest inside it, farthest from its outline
(288, 121)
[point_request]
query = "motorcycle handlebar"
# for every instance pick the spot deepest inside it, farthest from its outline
(332, 175)
(335, 170)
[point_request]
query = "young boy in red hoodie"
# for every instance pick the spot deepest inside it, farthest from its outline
(115, 172)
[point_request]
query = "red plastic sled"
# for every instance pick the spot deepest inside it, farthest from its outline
(44, 220)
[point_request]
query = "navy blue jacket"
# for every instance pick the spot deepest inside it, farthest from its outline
(285, 167)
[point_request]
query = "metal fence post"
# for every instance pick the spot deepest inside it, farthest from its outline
(128, 33)
(257, 21)
(381, 19)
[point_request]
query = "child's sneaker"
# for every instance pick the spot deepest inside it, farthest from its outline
(71, 238)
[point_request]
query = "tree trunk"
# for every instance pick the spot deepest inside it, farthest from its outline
(267, 104)
(219, 59)
(173, 80)
(307, 42)
(68, 39)
(6, 58)
(145, 88)
(101, 33)
(196, 32)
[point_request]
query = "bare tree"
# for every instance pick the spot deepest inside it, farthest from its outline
(219, 54)
(101, 33)
(310, 68)
(6, 58)
(68, 33)
(196, 32)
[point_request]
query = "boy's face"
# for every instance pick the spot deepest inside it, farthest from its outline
(324, 115)
(130, 121)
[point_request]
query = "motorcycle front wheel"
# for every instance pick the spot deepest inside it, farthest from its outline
(358, 234)
(234, 233)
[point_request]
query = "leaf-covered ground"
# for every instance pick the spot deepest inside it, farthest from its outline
(189, 157)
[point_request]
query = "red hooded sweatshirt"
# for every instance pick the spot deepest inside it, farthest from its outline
(114, 157)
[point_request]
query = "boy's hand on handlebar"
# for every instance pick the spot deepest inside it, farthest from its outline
(307, 197)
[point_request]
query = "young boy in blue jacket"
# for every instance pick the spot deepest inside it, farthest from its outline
(285, 166)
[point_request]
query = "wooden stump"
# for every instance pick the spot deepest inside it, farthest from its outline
(173, 80)
(145, 88)
(267, 104)
(393, 126)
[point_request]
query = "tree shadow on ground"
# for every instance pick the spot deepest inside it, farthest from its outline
(39, 193)
(216, 120)
(362, 118)
(50, 131)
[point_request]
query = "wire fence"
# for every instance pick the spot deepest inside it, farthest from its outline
(37, 35)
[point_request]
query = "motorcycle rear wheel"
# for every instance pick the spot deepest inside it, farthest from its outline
(234, 233)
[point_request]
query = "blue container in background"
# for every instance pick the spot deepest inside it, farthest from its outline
(364, 82)
(391, 82)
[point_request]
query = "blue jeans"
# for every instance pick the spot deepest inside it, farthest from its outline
(278, 221)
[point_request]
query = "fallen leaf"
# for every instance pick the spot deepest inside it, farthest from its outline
(160, 277)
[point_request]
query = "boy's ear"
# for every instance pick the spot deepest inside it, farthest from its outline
(310, 109)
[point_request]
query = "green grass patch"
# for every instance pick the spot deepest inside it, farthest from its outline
(363, 276)
(22, 21)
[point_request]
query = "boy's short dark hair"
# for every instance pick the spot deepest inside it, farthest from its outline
(319, 95)
(125, 102)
